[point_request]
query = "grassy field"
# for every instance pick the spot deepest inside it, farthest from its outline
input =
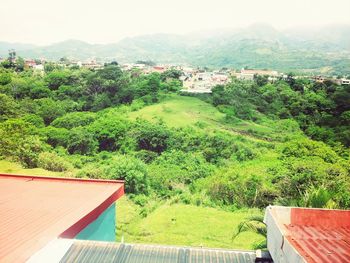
(180, 111)
(172, 224)
(15, 168)
(185, 225)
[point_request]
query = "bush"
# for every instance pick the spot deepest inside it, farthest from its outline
(130, 169)
(152, 137)
(93, 172)
(230, 187)
(52, 162)
(74, 119)
(8, 107)
(28, 151)
(35, 120)
(304, 147)
(192, 165)
(109, 132)
(81, 141)
(146, 156)
(18, 140)
(55, 136)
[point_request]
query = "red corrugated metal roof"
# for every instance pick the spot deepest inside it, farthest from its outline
(320, 235)
(34, 210)
(308, 234)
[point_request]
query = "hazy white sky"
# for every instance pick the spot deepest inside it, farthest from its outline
(105, 21)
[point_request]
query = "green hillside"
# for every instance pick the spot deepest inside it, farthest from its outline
(185, 225)
(180, 111)
(205, 160)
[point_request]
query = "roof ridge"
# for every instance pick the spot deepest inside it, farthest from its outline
(53, 178)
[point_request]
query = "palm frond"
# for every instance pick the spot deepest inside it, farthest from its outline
(260, 245)
(251, 224)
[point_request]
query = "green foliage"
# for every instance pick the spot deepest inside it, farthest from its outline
(246, 149)
(151, 137)
(233, 188)
(319, 109)
(320, 198)
(52, 162)
(81, 141)
(193, 165)
(130, 169)
(172, 171)
(302, 148)
(35, 120)
(5, 78)
(8, 107)
(49, 109)
(56, 78)
(19, 142)
(253, 224)
(305, 174)
(74, 119)
(110, 132)
(55, 136)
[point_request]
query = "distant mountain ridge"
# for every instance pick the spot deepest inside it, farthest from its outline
(256, 46)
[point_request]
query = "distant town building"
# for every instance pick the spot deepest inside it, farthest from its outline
(30, 63)
(248, 74)
(203, 82)
(321, 79)
(159, 69)
(342, 81)
(39, 67)
(91, 64)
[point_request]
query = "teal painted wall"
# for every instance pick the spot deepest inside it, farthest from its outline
(103, 228)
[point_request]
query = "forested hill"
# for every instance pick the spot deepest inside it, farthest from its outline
(249, 144)
(258, 46)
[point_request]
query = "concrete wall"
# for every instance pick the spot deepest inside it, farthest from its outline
(103, 228)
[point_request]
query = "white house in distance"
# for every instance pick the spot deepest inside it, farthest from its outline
(203, 82)
(248, 74)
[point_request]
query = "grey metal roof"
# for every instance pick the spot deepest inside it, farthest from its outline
(91, 251)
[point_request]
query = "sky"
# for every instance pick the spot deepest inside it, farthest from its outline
(44, 22)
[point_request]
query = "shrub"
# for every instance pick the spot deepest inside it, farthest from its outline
(304, 147)
(242, 190)
(192, 165)
(93, 172)
(18, 140)
(8, 107)
(36, 120)
(109, 132)
(52, 162)
(81, 141)
(152, 137)
(74, 119)
(55, 136)
(130, 169)
(28, 151)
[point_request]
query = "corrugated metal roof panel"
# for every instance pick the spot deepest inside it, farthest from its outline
(308, 235)
(90, 251)
(35, 210)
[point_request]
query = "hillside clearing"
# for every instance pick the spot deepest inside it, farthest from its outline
(179, 111)
(15, 168)
(184, 225)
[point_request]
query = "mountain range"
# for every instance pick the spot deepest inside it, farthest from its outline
(325, 49)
